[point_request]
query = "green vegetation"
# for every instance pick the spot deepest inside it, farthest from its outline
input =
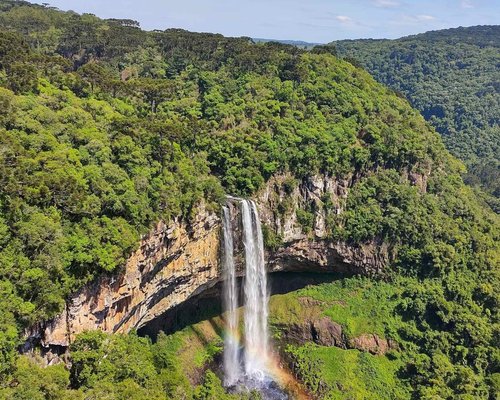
(306, 219)
(272, 241)
(337, 374)
(451, 76)
(105, 129)
(441, 343)
(360, 306)
(125, 367)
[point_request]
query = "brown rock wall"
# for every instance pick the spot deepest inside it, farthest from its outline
(177, 261)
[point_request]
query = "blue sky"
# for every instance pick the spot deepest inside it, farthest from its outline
(309, 20)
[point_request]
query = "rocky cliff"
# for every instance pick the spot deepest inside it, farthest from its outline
(314, 248)
(172, 263)
(177, 261)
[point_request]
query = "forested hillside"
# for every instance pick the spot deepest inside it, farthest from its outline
(105, 129)
(452, 76)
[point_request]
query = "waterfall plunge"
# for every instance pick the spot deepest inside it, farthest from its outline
(231, 360)
(256, 297)
(256, 352)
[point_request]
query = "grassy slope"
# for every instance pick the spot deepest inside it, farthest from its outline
(360, 306)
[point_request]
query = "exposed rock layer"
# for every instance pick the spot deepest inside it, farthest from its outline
(171, 264)
(175, 262)
(315, 251)
(325, 332)
(308, 324)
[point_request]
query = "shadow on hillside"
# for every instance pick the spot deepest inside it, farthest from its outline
(208, 304)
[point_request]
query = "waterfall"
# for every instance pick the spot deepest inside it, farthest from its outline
(231, 346)
(256, 298)
(256, 346)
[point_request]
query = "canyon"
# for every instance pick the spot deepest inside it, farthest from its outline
(178, 261)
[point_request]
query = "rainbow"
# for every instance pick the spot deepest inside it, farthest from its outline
(277, 371)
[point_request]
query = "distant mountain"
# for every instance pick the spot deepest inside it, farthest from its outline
(297, 43)
(452, 76)
(117, 149)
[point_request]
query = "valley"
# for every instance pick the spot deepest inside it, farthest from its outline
(191, 216)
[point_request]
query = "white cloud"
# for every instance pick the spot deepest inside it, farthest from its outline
(425, 18)
(467, 4)
(348, 22)
(386, 3)
(413, 19)
(344, 19)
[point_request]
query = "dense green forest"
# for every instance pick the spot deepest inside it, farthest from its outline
(105, 128)
(452, 76)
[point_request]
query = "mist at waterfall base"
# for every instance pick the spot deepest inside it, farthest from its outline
(246, 364)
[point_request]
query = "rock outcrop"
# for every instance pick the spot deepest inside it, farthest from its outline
(325, 332)
(178, 261)
(320, 196)
(310, 325)
(171, 264)
(372, 343)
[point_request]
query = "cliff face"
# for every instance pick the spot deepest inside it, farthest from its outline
(171, 264)
(316, 250)
(175, 262)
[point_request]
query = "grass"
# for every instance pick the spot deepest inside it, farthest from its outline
(350, 374)
(359, 305)
(288, 309)
(194, 347)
